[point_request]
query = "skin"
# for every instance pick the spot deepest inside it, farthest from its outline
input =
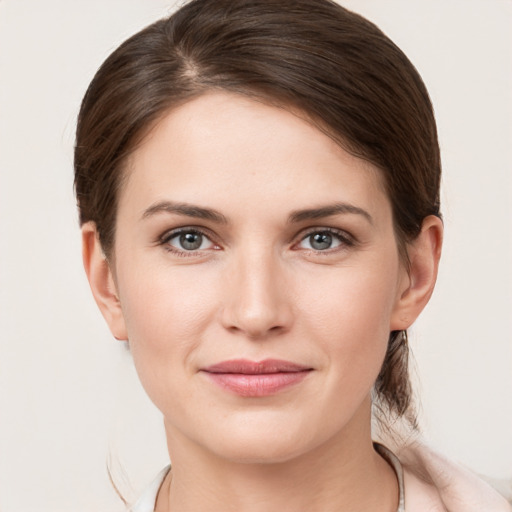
(258, 287)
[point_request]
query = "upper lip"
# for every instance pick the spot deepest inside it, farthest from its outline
(244, 366)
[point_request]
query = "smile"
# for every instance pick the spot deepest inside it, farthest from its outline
(256, 379)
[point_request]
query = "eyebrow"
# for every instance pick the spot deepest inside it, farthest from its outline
(186, 209)
(296, 216)
(328, 211)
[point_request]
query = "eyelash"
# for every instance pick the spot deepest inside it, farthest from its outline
(169, 235)
(346, 240)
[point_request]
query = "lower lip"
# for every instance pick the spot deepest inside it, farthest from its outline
(262, 384)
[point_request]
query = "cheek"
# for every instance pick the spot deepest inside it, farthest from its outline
(166, 303)
(349, 316)
(166, 313)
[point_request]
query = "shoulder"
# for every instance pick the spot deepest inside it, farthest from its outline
(433, 483)
(421, 496)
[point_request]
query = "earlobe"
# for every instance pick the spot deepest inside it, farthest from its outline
(101, 281)
(424, 254)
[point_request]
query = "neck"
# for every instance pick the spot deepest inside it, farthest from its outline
(344, 473)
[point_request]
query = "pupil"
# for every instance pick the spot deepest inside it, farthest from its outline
(191, 241)
(321, 241)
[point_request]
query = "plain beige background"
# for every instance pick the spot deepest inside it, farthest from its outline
(68, 393)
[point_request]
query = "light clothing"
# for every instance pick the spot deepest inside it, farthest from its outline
(147, 502)
(460, 489)
(393, 461)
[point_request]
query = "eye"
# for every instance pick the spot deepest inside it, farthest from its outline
(187, 240)
(324, 240)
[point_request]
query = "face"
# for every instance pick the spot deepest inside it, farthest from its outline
(259, 279)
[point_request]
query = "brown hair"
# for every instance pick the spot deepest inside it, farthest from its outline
(333, 65)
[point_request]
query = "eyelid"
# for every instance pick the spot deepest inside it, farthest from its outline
(346, 239)
(168, 235)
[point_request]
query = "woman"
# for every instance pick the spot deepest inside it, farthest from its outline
(258, 185)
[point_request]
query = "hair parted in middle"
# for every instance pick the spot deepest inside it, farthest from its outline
(314, 57)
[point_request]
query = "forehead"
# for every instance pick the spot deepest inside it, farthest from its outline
(224, 149)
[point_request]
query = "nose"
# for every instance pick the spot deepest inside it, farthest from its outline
(257, 301)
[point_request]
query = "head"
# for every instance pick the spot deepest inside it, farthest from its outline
(311, 59)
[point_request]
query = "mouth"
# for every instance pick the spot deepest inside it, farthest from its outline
(256, 378)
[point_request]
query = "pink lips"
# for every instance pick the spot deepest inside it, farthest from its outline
(256, 379)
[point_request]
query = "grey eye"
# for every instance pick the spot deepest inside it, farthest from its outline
(191, 241)
(188, 241)
(320, 241)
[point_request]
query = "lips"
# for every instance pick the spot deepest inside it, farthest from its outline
(256, 378)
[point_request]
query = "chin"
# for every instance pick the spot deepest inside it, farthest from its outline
(266, 442)
(260, 449)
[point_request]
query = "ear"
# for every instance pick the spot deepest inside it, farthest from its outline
(418, 283)
(102, 281)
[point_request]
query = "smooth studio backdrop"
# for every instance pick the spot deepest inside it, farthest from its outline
(69, 396)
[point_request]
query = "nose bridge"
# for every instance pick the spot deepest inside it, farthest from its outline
(256, 301)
